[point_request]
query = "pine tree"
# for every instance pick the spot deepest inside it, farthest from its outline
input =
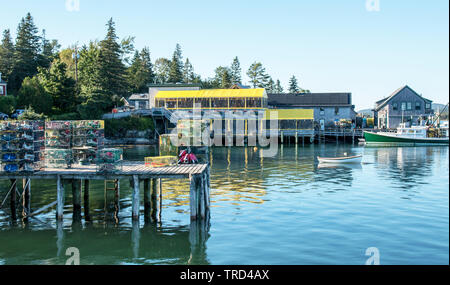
(176, 66)
(49, 51)
(162, 69)
(188, 72)
(6, 55)
(140, 72)
(33, 94)
(236, 71)
(258, 75)
(26, 52)
(270, 86)
(293, 85)
(60, 86)
(222, 78)
(111, 67)
(278, 87)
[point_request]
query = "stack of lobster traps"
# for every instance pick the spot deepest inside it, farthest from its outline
(21, 146)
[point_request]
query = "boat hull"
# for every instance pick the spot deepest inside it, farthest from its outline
(341, 160)
(388, 139)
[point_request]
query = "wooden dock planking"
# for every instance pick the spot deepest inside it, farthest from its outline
(136, 171)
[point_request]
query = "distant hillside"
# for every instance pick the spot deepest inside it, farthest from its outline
(366, 112)
(438, 107)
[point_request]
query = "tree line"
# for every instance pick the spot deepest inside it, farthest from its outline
(85, 82)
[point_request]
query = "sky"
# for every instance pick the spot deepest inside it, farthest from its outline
(366, 47)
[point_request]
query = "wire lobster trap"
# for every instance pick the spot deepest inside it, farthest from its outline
(109, 160)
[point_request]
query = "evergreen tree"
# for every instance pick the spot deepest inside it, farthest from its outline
(49, 51)
(162, 69)
(61, 87)
(293, 85)
(188, 72)
(278, 87)
(258, 75)
(26, 52)
(6, 55)
(236, 71)
(33, 94)
(270, 86)
(222, 78)
(111, 68)
(89, 68)
(140, 72)
(176, 66)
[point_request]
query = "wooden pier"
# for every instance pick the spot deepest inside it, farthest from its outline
(198, 174)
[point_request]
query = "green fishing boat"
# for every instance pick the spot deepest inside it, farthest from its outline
(415, 135)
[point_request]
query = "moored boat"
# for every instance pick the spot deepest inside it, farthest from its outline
(343, 159)
(415, 135)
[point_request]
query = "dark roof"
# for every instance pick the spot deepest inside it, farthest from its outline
(381, 103)
(309, 99)
(175, 85)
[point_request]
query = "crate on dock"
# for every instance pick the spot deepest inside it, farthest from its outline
(160, 161)
(87, 138)
(109, 159)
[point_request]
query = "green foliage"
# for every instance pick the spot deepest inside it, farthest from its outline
(6, 55)
(31, 115)
(278, 88)
(293, 85)
(236, 71)
(66, 117)
(258, 76)
(188, 72)
(270, 86)
(162, 68)
(176, 66)
(61, 87)
(119, 127)
(140, 73)
(32, 94)
(222, 78)
(7, 104)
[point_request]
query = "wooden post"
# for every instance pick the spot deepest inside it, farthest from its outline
(147, 200)
(194, 182)
(153, 199)
(201, 195)
(76, 199)
(160, 199)
(26, 210)
(282, 137)
(136, 200)
(59, 198)
(117, 194)
(13, 192)
(208, 187)
(296, 137)
(87, 217)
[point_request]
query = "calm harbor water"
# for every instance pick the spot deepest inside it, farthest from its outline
(280, 210)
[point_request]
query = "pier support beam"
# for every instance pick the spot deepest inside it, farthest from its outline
(147, 200)
(199, 195)
(135, 199)
(26, 204)
(153, 199)
(13, 193)
(76, 199)
(59, 198)
(87, 217)
(117, 194)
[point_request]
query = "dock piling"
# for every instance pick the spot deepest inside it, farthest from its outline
(13, 193)
(87, 217)
(26, 208)
(136, 198)
(76, 198)
(147, 200)
(59, 198)
(153, 199)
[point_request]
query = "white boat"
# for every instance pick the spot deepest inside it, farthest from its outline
(339, 160)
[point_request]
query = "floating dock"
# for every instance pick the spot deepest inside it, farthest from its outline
(198, 174)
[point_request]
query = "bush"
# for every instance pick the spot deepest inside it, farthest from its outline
(119, 127)
(66, 117)
(31, 115)
(7, 104)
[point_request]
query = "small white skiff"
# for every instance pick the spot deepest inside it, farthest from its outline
(344, 159)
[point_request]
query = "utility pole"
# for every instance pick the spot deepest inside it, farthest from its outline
(75, 56)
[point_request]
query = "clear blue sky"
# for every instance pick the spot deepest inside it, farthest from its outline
(328, 45)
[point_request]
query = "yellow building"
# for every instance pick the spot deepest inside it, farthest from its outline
(223, 99)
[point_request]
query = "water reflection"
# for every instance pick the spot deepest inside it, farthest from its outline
(149, 244)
